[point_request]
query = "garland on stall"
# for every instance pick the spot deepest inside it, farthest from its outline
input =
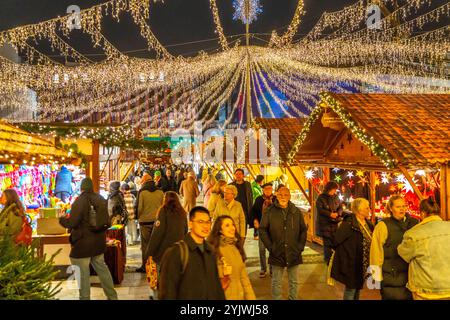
(329, 101)
(121, 136)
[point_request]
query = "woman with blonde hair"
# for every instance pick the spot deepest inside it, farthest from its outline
(350, 261)
(216, 195)
(392, 270)
(12, 213)
(233, 208)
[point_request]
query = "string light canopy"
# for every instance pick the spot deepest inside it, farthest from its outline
(339, 54)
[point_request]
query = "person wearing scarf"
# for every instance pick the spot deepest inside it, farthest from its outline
(230, 259)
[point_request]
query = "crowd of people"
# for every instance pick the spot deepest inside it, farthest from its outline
(199, 250)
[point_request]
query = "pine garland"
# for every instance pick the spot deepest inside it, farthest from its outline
(23, 275)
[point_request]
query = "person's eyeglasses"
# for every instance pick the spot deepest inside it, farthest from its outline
(202, 222)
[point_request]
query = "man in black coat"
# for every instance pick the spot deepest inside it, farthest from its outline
(329, 211)
(283, 232)
(88, 247)
(245, 195)
(172, 182)
(197, 277)
(260, 205)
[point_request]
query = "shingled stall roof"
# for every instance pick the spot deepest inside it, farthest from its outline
(289, 129)
(400, 130)
(20, 144)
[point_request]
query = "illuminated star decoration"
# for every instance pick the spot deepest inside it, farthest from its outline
(350, 174)
(351, 184)
(341, 197)
(337, 178)
(254, 9)
(421, 173)
(377, 180)
(407, 187)
(384, 178)
(309, 174)
(336, 170)
(363, 181)
(393, 188)
(360, 173)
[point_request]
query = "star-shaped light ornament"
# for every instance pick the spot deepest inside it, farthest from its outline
(384, 178)
(393, 188)
(401, 178)
(407, 186)
(360, 173)
(341, 197)
(351, 183)
(336, 170)
(337, 178)
(377, 180)
(309, 174)
(350, 174)
(363, 181)
(421, 173)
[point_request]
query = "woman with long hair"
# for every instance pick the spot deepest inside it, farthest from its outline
(12, 213)
(230, 254)
(170, 226)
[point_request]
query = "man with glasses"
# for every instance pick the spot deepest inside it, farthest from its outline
(189, 268)
(283, 232)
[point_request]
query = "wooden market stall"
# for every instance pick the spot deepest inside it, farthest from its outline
(382, 134)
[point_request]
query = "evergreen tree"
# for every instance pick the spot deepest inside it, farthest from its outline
(24, 275)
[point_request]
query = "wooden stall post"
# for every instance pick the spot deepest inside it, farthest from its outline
(445, 192)
(299, 185)
(372, 177)
(96, 165)
(411, 182)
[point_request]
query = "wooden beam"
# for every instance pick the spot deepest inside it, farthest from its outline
(299, 185)
(96, 165)
(228, 170)
(372, 188)
(250, 171)
(411, 182)
(445, 192)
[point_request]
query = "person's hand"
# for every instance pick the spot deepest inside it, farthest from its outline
(334, 215)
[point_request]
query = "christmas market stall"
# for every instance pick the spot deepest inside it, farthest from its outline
(376, 145)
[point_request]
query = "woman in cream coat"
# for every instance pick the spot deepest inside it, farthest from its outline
(230, 260)
(233, 208)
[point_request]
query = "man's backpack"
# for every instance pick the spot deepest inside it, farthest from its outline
(98, 216)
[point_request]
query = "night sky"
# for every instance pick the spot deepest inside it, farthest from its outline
(174, 23)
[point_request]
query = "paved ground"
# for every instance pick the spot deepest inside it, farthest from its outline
(312, 277)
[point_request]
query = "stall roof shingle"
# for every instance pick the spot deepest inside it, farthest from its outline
(415, 129)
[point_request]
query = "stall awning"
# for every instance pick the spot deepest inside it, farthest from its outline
(18, 144)
(402, 130)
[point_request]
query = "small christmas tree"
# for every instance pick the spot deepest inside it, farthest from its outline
(23, 275)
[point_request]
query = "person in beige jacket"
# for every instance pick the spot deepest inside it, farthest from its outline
(233, 208)
(216, 195)
(189, 191)
(230, 255)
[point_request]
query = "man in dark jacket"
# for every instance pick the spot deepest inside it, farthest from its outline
(197, 277)
(260, 205)
(161, 182)
(171, 181)
(88, 247)
(329, 211)
(283, 232)
(245, 195)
